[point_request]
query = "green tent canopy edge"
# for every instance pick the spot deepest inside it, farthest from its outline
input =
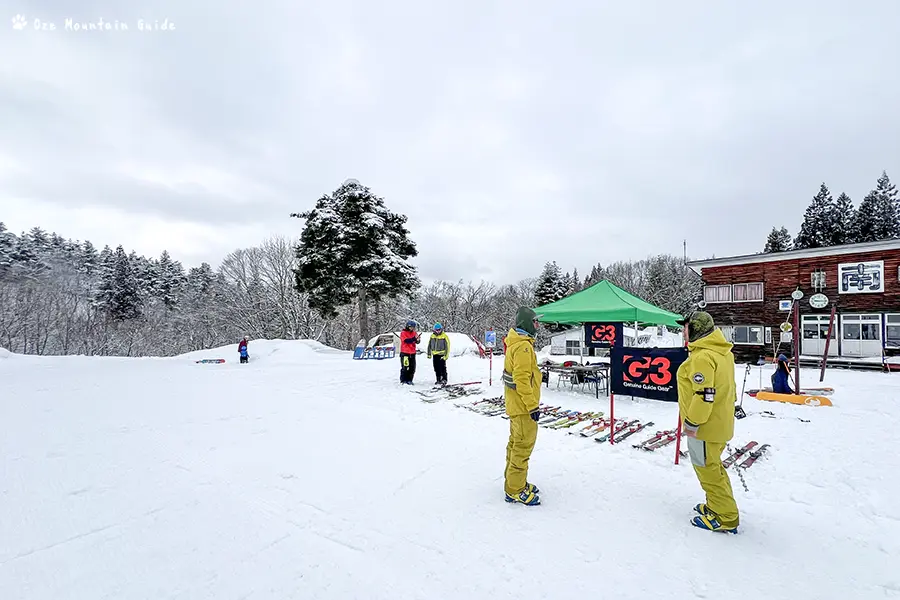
(604, 302)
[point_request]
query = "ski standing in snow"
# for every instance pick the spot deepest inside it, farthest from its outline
(706, 392)
(408, 340)
(522, 395)
(439, 352)
(242, 350)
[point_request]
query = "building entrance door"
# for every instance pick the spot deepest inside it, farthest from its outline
(815, 333)
(861, 336)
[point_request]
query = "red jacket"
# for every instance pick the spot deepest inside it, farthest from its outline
(408, 341)
(242, 345)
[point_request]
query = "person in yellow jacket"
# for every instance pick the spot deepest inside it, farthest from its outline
(439, 349)
(522, 394)
(706, 395)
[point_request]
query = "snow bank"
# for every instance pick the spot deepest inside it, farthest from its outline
(271, 351)
(460, 343)
(4, 353)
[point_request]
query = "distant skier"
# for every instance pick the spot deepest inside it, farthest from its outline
(439, 350)
(242, 350)
(706, 392)
(781, 379)
(522, 394)
(408, 340)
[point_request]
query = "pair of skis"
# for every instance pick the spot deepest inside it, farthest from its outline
(453, 390)
(745, 451)
(661, 439)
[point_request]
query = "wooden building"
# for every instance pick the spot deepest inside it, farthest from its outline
(749, 297)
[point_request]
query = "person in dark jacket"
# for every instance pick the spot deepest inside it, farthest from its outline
(408, 340)
(781, 380)
(439, 349)
(242, 350)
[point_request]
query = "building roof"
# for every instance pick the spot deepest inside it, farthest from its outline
(749, 259)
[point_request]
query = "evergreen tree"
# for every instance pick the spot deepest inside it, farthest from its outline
(576, 281)
(595, 276)
(7, 250)
(118, 293)
(352, 246)
(169, 280)
(550, 286)
(88, 259)
(878, 217)
(779, 240)
(845, 215)
(818, 226)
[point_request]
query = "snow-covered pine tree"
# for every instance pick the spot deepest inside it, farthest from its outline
(779, 240)
(169, 281)
(118, 295)
(88, 259)
(844, 216)
(576, 281)
(817, 229)
(878, 217)
(549, 285)
(7, 249)
(353, 247)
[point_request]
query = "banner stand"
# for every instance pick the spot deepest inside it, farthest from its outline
(612, 417)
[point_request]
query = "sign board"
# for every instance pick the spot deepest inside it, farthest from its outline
(490, 338)
(786, 327)
(818, 300)
(785, 305)
(797, 295)
(646, 372)
(602, 335)
(861, 277)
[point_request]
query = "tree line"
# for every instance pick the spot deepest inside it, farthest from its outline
(348, 276)
(829, 222)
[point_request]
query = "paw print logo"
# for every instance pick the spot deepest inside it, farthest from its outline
(18, 22)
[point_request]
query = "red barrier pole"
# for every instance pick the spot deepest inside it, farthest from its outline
(612, 418)
(491, 368)
(828, 342)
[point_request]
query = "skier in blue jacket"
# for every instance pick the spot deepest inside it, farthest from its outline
(781, 380)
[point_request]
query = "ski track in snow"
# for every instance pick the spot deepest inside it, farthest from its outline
(306, 474)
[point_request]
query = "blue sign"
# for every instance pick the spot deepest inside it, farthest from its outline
(490, 338)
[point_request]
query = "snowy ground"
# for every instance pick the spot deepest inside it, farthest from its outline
(306, 474)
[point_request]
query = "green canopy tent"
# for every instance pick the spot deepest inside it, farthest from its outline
(604, 302)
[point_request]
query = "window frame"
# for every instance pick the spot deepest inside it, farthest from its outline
(719, 286)
(762, 291)
(733, 329)
(887, 326)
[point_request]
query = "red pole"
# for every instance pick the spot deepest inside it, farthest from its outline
(612, 418)
(491, 368)
(796, 339)
(828, 342)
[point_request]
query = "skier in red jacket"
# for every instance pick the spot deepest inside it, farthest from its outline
(408, 340)
(242, 349)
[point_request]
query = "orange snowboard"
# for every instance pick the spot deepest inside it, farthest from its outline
(794, 399)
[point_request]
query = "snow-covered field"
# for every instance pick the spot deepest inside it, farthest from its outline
(306, 474)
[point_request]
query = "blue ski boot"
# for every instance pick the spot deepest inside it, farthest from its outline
(711, 523)
(526, 497)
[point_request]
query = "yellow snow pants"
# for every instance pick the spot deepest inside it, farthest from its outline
(706, 457)
(522, 436)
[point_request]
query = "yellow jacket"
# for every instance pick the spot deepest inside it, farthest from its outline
(439, 345)
(521, 376)
(706, 388)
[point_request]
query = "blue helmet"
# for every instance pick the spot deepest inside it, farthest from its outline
(438, 327)
(410, 323)
(782, 358)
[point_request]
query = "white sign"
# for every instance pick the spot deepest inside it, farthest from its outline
(861, 277)
(785, 305)
(818, 300)
(797, 295)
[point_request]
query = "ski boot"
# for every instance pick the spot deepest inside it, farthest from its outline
(703, 510)
(530, 487)
(711, 523)
(526, 497)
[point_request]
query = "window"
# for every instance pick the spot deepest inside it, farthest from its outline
(892, 331)
(748, 292)
(573, 347)
(717, 293)
(746, 335)
(817, 280)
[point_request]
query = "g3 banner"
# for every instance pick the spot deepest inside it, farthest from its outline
(602, 335)
(646, 372)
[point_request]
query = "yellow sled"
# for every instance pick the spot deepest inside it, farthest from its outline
(794, 399)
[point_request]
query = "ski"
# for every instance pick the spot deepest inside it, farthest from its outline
(592, 425)
(616, 430)
(665, 441)
(737, 454)
(659, 435)
(575, 419)
(753, 456)
(632, 431)
(770, 415)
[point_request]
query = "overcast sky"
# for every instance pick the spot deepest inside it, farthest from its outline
(511, 133)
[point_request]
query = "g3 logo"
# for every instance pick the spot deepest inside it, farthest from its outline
(645, 369)
(604, 333)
